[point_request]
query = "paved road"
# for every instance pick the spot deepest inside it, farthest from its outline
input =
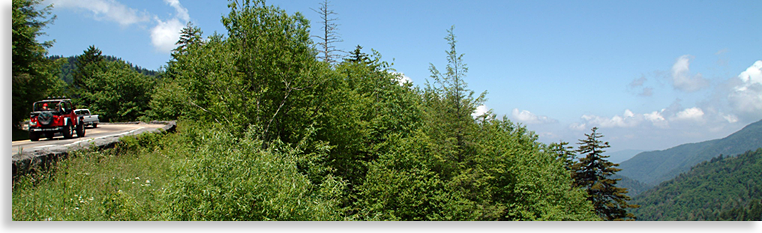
(103, 130)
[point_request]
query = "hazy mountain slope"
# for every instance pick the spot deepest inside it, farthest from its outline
(653, 167)
(622, 155)
(712, 190)
(634, 187)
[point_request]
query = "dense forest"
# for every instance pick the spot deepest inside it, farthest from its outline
(270, 129)
(654, 167)
(724, 188)
(69, 66)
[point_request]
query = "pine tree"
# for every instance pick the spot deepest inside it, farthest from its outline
(89, 63)
(593, 172)
(451, 103)
(357, 56)
(190, 35)
(564, 153)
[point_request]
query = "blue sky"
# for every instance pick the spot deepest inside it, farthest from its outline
(649, 74)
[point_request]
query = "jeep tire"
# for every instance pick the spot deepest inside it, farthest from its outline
(81, 130)
(34, 136)
(66, 132)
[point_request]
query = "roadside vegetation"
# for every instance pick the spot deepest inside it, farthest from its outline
(268, 131)
(194, 174)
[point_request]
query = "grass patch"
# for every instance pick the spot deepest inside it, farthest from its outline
(198, 173)
(116, 184)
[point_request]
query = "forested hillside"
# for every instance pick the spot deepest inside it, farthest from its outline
(69, 66)
(268, 131)
(633, 187)
(653, 167)
(724, 188)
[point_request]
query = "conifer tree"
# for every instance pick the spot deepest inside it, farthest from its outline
(564, 153)
(451, 103)
(357, 56)
(88, 64)
(593, 174)
(190, 35)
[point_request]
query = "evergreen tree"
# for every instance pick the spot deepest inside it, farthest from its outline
(593, 174)
(89, 64)
(190, 35)
(357, 56)
(450, 104)
(27, 24)
(564, 153)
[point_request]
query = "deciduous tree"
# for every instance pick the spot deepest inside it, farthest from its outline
(33, 75)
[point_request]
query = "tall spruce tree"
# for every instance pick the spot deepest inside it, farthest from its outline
(357, 56)
(89, 64)
(451, 103)
(564, 153)
(190, 35)
(593, 173)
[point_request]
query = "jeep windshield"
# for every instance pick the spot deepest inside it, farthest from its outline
(47, 106)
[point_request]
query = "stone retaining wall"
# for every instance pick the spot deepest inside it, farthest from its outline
(40, 158)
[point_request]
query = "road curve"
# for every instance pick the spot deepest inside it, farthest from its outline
(103, 130)
(28, 156)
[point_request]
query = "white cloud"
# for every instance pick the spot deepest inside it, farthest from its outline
(730, 118)
(747, 100)
(577, 126)
(163, 36)
(530, 118)
(753, 74)
(481, 110)
(108, 10)
(728, 106)
(695, 114)
(657, 119)
(629, 119)
(638, 82)
(166, 33)
(638, 86)
(746, 96)
(682, 78)
(182, 12)
(402, 78)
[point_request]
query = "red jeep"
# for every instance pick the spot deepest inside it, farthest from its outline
(54, 115)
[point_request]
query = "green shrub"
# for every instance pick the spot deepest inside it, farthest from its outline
(230, 178)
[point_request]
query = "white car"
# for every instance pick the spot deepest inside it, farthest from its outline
(89, 119)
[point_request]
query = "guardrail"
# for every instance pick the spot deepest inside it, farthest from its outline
(30, 161)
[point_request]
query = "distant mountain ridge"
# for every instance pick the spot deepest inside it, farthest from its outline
(70, 65)
(622, 155)
(723, 188)
(654, 167)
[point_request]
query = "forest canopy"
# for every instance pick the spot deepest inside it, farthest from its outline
(269, 131)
